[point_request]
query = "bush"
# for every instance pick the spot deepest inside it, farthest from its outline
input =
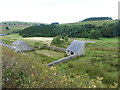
(84, 35)
(56, 40)
(66, 38)
(95, 34)
(37, 44)
(7, 28)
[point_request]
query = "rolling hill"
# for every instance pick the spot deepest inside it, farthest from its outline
(15, 26)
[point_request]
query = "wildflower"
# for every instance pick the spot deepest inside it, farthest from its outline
(54, 74)
(50, 81)
(32, 66)
(32, 74)
(94, 86)
(46, 71)
(52, 67)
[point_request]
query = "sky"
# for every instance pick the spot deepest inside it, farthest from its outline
(61, 11)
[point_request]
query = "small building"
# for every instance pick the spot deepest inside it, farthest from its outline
(76, 48)
(20, 45)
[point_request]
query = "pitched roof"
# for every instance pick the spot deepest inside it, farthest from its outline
(75, 46)
(24, 48)
(21, 46)
(17, 42)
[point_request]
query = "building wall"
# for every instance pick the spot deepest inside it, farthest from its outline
(81, 52)
(68, 52)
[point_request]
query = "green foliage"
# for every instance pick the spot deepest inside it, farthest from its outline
(56, 41)
(72, 30)
(95, 34)
(66, 38)
(7, 28)
(37, 44)
(96, 19)
(85, 35)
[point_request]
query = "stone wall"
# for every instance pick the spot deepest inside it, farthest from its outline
(53, 48)
(60, 49)
(62, 60)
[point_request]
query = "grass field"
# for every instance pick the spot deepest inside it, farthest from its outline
(30, 40)
(15, 26)
(11, 28)
(101, 57)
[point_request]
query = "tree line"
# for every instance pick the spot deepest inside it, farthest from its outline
(96, 19)
(78, 31)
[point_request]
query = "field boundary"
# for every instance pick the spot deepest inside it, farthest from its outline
(59, 49)
(53, 48)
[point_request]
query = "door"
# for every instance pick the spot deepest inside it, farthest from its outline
(72, 53)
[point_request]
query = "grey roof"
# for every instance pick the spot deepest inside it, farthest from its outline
(75, 46)
(21, 46)
(17, 42)
(24, 48)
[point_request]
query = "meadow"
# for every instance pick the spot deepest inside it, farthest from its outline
(100, 62)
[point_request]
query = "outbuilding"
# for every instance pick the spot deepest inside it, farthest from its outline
(20, 45)
(76, 48)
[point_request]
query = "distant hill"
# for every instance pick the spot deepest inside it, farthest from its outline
(96, 19)
(15, 26)
(82, 29)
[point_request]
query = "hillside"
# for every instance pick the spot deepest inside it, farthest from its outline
(93, 22)
(15, 26)
(96, 19)
(79, 30)
(97, 69)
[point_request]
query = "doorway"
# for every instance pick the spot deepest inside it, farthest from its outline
(72, 53)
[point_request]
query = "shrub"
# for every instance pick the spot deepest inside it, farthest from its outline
(66, 38)
(7, 28)
(37, 44)
(56, 40)
(95, 34)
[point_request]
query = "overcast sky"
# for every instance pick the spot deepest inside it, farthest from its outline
(62, 11)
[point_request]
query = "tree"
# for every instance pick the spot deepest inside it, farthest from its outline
(56, 40)
(95, 34)
(84, 35)
(7, 28)
(66, 38)
(108, 32)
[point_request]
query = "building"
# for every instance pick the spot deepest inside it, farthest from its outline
(21, 46)
(76, 48)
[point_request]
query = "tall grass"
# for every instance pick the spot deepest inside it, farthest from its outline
(20, 71)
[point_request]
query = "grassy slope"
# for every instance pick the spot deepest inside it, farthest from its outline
(21, 25)
(92, 22)
(14, 26)
(44, 56)
(20, 71)
(101, 58)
